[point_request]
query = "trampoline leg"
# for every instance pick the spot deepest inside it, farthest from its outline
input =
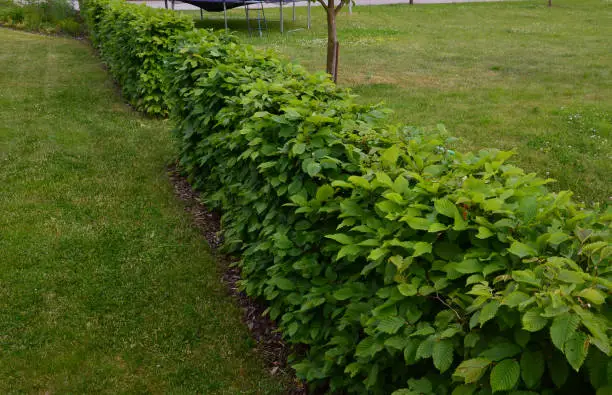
(225, 14)
(293, 10)
(201, 14)
(282, 28)
(248, 21)
(308, 14)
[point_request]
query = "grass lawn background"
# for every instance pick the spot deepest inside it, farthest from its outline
(511, 75)
(105, 286)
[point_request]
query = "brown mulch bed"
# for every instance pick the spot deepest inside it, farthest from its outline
(269, 343)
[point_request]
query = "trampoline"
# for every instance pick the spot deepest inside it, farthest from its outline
(224, 5)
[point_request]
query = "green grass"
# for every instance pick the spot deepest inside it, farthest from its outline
(515, 75)
(105, 286)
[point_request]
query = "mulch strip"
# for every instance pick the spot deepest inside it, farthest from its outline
(269, 343)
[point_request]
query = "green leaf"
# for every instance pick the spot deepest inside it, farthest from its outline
(500, 351)
(421, 248)
(576, 349)
(472, 370)
(532, 368)
(341, 238)
(484, 233)
(464, 389)
(532, 321)
(368, 347)
(408, 289)
(360, 182)
(562, 328)
(443, 355)
(515, 298)
(282, 283)
(593, 295)
(521, 250)
(445, 207)
(298, 148)
(324, 192)
(418, 223)
(488, 312)
(505, 375)
(391, 325)
(390, 155)
(437, 227)
(558, 370)
(526, 276)
(425, 349)
(570, 276)
(313, 168)
(468, 266)
(344, 293)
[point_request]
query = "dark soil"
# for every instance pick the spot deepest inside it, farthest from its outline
(269, 343)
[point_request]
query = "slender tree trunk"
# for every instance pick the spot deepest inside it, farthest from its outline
(550, 3)
(332, 39)
(411, 2)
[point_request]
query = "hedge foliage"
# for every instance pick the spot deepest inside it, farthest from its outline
(405, 267)
(133, 41)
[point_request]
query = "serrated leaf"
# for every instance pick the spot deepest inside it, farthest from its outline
(488, 312)
(421, 248)
(468, 266)
(570, 276)
(576, 348)
(341, 238)
(505, 375)
(344, 293)
(521, 337)
(593, 295)
(526, 276)
(408, 289)
(558, 370)
(445, 207)
(515, 298)
(484, 233)
(418, 223)
(532, 321)
(282, 283)
(500, 351)
(368, 347)
(472, 370)
(443, 355)
(471, 339)
(360, 182)
(562, 328)
(390, 155)
(437, 227)
(298, 148)
(532, 368)
(425, 349)
(391, 325)
(521, 250)
(324, 193)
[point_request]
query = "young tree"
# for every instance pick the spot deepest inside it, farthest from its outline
(332, 7)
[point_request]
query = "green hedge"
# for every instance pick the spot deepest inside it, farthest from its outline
(134, 41)
(405, 267)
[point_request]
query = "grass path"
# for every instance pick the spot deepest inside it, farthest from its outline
(105, 287)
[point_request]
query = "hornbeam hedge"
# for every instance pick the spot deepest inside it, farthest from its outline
(405, 267)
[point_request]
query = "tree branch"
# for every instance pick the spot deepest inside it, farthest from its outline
(323, 3)
(339, 7)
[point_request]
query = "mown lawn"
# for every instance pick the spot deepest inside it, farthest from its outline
(105, 286)
(514, 75)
